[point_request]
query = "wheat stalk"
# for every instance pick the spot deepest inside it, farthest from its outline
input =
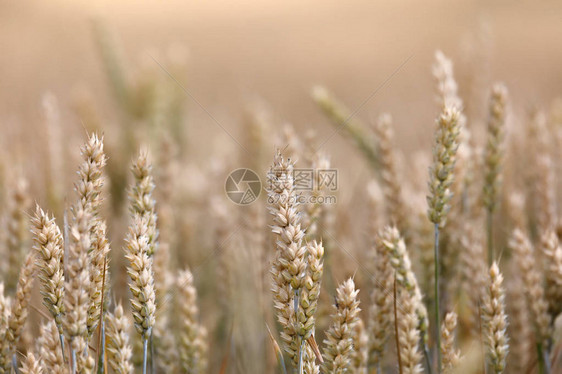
(440, 181)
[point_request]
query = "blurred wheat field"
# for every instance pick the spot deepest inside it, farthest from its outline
(426, 239)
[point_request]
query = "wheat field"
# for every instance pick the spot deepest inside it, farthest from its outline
(362, 188)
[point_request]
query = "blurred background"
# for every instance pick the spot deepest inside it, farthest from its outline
(234, 52)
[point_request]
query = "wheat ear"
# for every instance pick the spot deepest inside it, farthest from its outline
(495, 321)
(440, 180)
(90, 175)
(523, 253)
(17, 230)
(493, 158)
(188, 329)
(380, 312)
(76, 287)
(552, 253)
(359, 355)
(392, 186)
(289, 265)
(400, 260)
(31, 365)
(99, 275)
(309, 298)
(49, 249)
(141, 277)
(18, 313)
(339, 337)
(520, 327)
(119, 350)
(450, 355)
(141, 201)
(50, 349)
(408, 337)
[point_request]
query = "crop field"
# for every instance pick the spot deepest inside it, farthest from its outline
(361, 187)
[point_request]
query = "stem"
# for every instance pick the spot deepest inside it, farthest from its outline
(73, 360)
(152, 362)
(436, 303)
(301, 349)
(489, 229)
(101, 349)
(544, 361)
(61, 338)
(396, 329)
(144, 354)
(15, 364)
(427, 358)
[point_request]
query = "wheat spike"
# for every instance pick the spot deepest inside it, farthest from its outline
(141, 201)
(450, 355)
(494, 151)
(90, 172)
(380, 312)
(31, 365)
(523, 252)
(311, 289)
(49, 249)
(552, 253)
(17, 230)
(408, 332)
(495, 321)
(77, 284)
(289, 265)
(18, 312)
(392, 186)
(520, 327)
(188, 331)
(339, 337)
(359, 355)
(99, 274)
(141, 282)
(400, 261)
(441, 171)
(119, 350)
(50, 349)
